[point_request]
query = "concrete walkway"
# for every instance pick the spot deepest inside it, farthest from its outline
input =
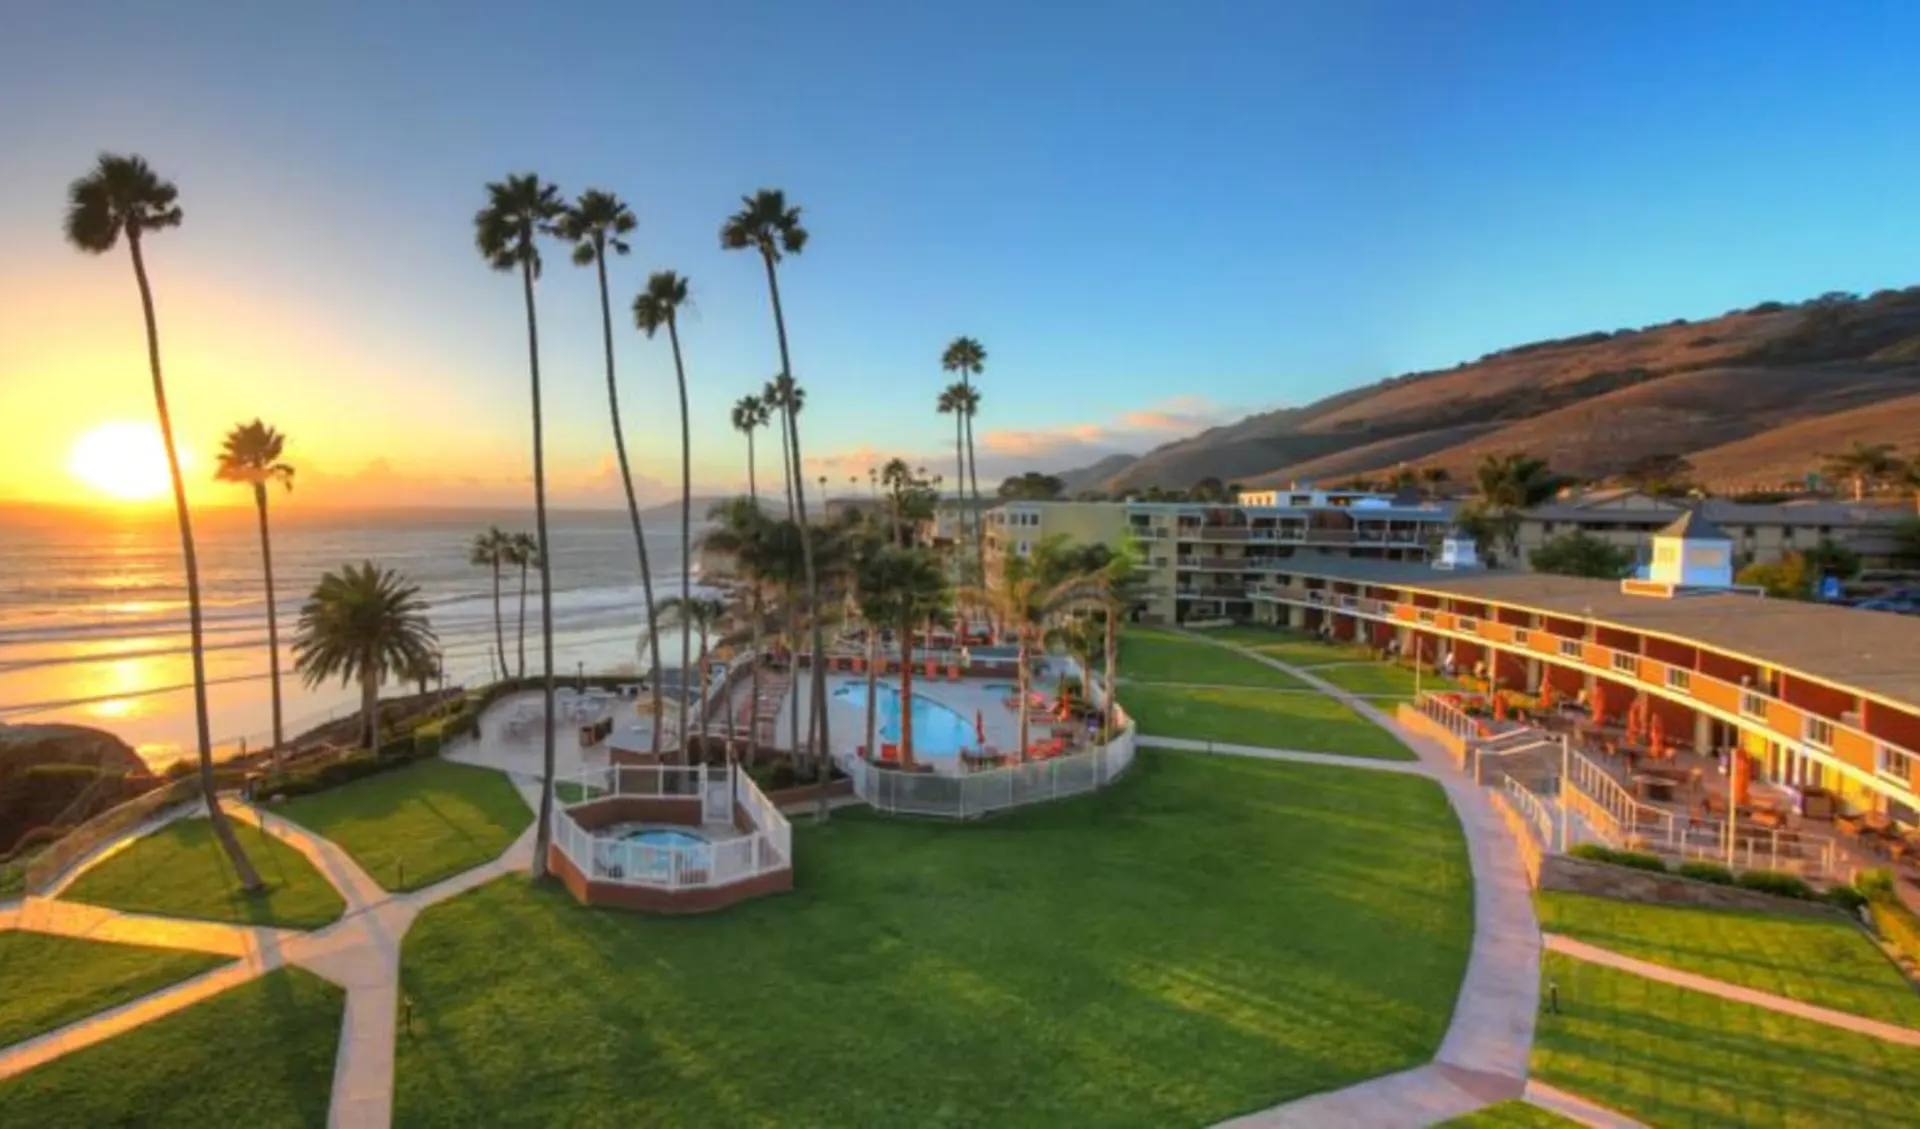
(1846, 1021)
(1296, 756)
(1483, 1057)
(1576, 1108)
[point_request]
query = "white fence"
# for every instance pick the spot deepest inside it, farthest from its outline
(1452, 717)
(607, 856)
(998, 789)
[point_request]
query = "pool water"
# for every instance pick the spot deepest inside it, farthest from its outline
(938, 730)
(656, 837)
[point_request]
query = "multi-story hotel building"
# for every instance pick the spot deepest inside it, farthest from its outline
(1817, 697)
(1761, 533)
(1199, 561)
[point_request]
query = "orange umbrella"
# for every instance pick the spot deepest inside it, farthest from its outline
(980, 726)
(1546, 696)
(1499, 707)
(1738, 785)
(1599, 703)
(1657, 735)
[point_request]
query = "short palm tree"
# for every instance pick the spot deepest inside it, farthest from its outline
(364, 624)
(250, 456)
(708, 615)
(658, 306)
(1025, 599)
(123, 196)
(784, 396)
(968, 358)
(751, 413)
(523, 552)
(596, 224)
(1508, 484)
(489, 551)
(905, 589)
(519, 210)
(768, 225)
(741, 531)
(1866, 465)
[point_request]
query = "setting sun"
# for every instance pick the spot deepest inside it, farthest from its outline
(123, 460)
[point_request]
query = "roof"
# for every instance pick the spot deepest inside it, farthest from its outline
(1720, 511)
(1692, 526)
(1874, 652)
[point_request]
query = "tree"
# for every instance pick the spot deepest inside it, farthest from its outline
(656, 306)
(1210, 489)
(1031, 487)
(782, 395)
(1509, 484)
(490, 551)
(968, 358)
(1663, 475)
(740, 529)
(1867, 466)
(749, 414)
(897, 477)
(1907, 542)
(250, 456)
(364, 624)
(1577, 554)
(904, 588)
(424, 668)
(523, 551)
(1022, 600)
(122, 195)
(708, 615)
(1797, 575)
(1434, 477)
(519, 210)
(957, 399)
(768, 225)
(596, 223)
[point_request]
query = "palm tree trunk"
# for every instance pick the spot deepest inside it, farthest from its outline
(499, 621)
(753, 484)
(873, 687)
(1106, 724)
(633, 503)
(1021, 636)
(819, 670)
(703, 692)
(786, 460)
(273, 619)
(960, 482)
(793, 682)
(973, 477)
(370, 706)
(686, 535)
(753, 710)
(906, 693)
(543, 833)
(222, 830)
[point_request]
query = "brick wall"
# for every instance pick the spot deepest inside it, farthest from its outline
(704, 899)
(609, 810)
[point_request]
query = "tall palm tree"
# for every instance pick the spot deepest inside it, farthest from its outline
(906, 589)
(250, 456)
(596, 223)
(523, 550)
(766, 224)
(968, 358)
(122, 195)
(1867, 465)
(784, 396)
(656, 306)
(364, 624)
(489, 551)
(519, 210)
(751, 413)
(708, 615)
(953, 401)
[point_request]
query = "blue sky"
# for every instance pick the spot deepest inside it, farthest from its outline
(1154, 216)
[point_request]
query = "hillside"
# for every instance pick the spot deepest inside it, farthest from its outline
(1757, 395)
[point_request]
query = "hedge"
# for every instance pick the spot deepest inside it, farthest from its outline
(1637, 860)
(1706, 872)
(1773, 882)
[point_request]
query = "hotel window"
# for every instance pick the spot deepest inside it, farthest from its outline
(1819, 733)
(1889, 761)
(1520, 637)
(1625, 663)
(1752, 705)
(1546, 528)
(1425, 617)
(1680, 679)
(1469, 624)
(1570, 648)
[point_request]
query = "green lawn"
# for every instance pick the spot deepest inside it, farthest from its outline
(259, 1055)
(1685, 1060)
(180, 871)
(1812, 960)
(1295, 647)
(1210, 936)
(48, 982)
(1381, 679)
(1515, 1114)
(1310, 722)
(1155, 657)
(414, 826)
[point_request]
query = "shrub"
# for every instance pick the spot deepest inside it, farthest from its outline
(1875, 884)
(1846, 898)
(1773, 882)
(1635, 860)
(1706, 872)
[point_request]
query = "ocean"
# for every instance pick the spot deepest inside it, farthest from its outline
(93, 613)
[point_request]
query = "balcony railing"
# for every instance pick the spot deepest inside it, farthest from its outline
(1734, 702)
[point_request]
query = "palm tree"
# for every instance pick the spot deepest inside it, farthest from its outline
(1868, 465)
(784, 396)
(519, 210)
(741, 530)
(250, 456)
(1435, 477)
(953, 401)
(749, 414)
(968, 357)
(1025, 598)
(1509, 484)
(523, 550)
(659, 305)
(489, 551)
(595, 224)
(424, 668)
(366, 624)
(122, 195)
(708, 614)
(766, 224)
(904, 588)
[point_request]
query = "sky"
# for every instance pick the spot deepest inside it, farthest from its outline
(1156, 218)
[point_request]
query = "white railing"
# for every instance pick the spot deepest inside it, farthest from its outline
(1532, 808)
(603, 856)
(981, 793)
(1456, 720)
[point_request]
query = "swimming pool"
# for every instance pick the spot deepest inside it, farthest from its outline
(655, 854)
(665, 837)
(938, 730)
